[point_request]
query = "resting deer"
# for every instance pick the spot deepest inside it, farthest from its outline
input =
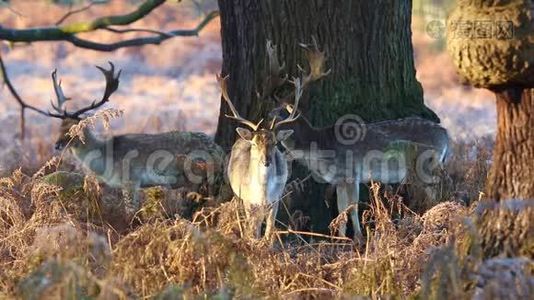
(386, 151)
(134, 161)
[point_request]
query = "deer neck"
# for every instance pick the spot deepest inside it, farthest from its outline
(305, 135)
(267, 182)
(90, 143)
(259, 175)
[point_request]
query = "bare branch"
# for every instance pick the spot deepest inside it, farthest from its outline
(68, 32)
(144, 9)
(127, 30)
(70, 13)
(11, 9)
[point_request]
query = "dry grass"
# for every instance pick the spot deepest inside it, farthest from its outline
(61, 238)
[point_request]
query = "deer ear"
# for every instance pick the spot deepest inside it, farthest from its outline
(244, 133)
(282, 135)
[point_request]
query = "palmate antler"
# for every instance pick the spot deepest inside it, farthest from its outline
(294, 112)
(112, 84)
(316, 61)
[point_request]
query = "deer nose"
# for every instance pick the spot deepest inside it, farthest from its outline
(265, 161)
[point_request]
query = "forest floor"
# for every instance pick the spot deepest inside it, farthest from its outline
(64, 236)
(63, 239)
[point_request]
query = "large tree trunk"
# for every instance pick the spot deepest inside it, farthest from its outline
(512, 172)
(368, 47)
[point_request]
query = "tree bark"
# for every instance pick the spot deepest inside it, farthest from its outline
(368, 47)
(512, 172)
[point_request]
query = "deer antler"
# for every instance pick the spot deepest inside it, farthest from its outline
(316, 61)
(112, 84)
(293, 115)
(273, 79)
(60, 97)
(235, 115)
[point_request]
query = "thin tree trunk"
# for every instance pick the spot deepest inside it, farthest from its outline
(368, 47)
(512, 171)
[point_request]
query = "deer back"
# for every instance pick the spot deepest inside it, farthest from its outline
(173, 159)
(383, 151)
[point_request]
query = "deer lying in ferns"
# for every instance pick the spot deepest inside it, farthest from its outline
(134, 161)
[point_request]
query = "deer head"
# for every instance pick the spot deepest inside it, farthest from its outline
(262, 141)
(72, 118)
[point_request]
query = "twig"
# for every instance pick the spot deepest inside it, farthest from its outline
(73, 12)
(11, 9)
(290, 231)
(310, 289)
(23, 105)
(115, 30)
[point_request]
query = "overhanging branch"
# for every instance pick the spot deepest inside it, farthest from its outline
(155, 39)
(68, 32)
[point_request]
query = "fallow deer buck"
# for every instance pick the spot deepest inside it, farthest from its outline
(134, 161)
(257, 169)
(388, 151)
